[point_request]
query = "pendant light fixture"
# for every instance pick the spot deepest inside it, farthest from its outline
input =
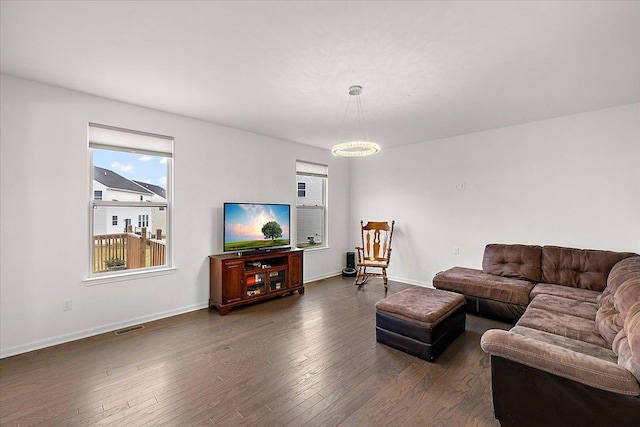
(357, 148)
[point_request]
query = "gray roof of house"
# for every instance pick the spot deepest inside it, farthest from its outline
(155, 188)
(110, 179)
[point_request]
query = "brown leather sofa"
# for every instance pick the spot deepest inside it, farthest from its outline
(512, 275)
(573, 357)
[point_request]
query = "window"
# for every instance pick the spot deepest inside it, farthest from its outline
(143, 220)
(302, 189)
(131, 178)
(311, 205)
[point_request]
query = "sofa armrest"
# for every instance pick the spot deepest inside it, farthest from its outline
(560, 361)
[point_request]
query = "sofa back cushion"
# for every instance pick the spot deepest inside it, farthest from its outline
(626, 301)
(627, 342)
(623, 291)
(520, 261)
(621, 272)
(579, 268)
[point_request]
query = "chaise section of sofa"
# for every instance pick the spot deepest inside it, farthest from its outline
(487, 294)
(572, 362)
(512, 275)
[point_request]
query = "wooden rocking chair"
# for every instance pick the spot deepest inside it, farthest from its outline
(375, 252)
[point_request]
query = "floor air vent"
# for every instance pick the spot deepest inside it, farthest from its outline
(129, 329)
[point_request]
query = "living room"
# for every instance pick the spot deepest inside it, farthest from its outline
(557, 165)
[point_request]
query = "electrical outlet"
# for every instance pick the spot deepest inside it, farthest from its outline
(460, 186)
(67, 305)
(456, 250)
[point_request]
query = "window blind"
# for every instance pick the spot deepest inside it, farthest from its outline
(311, 169)
(112, 138)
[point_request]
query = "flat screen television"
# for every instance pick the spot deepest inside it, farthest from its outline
(256, 226)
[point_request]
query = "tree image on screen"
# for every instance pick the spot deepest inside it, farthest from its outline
(272, 230)
(255, 226)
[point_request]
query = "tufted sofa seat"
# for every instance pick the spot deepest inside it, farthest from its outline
(571, 361)
(512, 275)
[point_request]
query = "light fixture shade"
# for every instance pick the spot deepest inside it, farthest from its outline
(359, 148)
(355, 149)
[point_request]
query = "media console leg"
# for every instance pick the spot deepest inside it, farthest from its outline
(223, 311)
(301, 291)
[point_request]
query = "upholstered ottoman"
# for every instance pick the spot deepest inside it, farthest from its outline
(420, 321)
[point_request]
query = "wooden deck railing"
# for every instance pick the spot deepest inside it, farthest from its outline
(136, 250)
(158, 255)
(105, 247)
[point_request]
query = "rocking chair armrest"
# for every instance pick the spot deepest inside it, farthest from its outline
(360, 252)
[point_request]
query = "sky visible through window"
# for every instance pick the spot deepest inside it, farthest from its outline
(136, 166)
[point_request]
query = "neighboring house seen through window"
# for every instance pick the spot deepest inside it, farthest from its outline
(311, 205)
(302, 189)
(131, 177)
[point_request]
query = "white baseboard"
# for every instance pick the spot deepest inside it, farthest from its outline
(321, 276)
(61, 339)
(411, 282)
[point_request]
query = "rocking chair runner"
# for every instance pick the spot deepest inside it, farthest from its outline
(375, 252)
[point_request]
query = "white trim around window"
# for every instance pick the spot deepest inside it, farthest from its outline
(129, 202)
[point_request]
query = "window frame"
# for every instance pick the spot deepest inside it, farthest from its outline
(309, 169)
(167, 205)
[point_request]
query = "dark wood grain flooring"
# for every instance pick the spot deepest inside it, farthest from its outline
(299, 360)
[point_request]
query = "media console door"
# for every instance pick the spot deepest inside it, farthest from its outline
(232, 281)
(236, 280)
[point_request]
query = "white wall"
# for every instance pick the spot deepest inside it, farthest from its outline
(44, 257)
(570, 181)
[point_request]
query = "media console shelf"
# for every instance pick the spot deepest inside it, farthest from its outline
(237, 279)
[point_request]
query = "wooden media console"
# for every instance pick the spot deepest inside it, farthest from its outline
(239, 279)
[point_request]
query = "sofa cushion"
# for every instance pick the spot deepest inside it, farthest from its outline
(474, 282)
(562, 324)
(627, 343)
(608, 321)
(614, 306)
(568, 343)
(565, 292)
(519, 261)
(579, 268)
(621, 272)
(585, 310)
(627, 295)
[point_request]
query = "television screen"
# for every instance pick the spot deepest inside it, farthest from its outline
(250, 226)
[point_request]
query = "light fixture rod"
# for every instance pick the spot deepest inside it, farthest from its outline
(363, 128)
(344, 119)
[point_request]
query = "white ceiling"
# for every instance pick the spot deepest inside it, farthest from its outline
(429, 69)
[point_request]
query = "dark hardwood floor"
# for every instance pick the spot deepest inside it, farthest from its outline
(298, 360)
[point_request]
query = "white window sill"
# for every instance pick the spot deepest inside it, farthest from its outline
(315, 248)
(127, 275)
